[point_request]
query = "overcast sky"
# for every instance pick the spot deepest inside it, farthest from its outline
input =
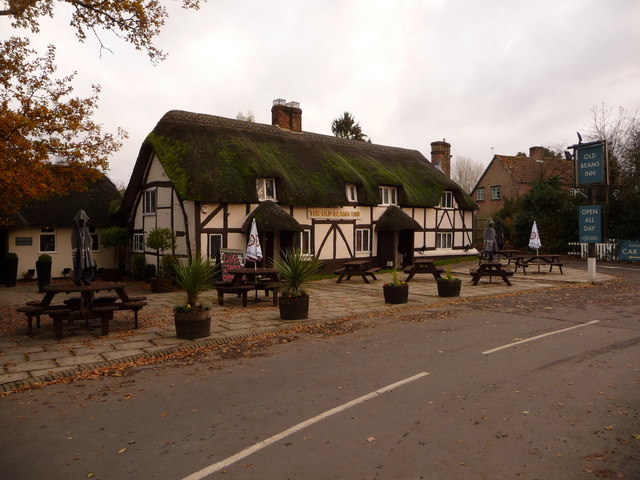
(491, 76)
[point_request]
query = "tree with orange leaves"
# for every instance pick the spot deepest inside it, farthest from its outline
(48, 141)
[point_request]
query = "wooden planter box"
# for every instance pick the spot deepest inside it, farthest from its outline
(294, 308)
(395, 293)
(192, 325)
(449, 287)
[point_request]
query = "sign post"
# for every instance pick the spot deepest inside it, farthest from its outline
(592, 168)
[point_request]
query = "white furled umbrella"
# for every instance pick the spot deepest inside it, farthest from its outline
(254, 252)
(534, 239)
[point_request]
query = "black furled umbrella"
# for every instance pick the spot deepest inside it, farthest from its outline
(84, 267)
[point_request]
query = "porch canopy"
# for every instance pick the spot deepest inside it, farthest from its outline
(394, 220)
(271, 218)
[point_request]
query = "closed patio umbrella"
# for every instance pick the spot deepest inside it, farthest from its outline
(534, 239)
(84, 267)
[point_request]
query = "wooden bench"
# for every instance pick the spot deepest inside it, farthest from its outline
(372, 271)
(58, 315)
(105, 312)
(490, 270)
(31, 311)
(271, 287)
(135, 307)
(228, 288)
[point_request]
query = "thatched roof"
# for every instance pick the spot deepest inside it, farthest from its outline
(393, 220)
(97, 201)
(271, 218)
(215, 159)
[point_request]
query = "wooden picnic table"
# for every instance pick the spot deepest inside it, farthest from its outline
(490, 269)
(552, 260)
(86, 307)
(357, 267)
(247, 279)
(423, 265)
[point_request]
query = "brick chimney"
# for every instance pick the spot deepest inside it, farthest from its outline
(441, 156)
(536, 153)
(286, 115)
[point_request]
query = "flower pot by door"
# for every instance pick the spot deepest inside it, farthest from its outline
(395, 293)
(294, 308)
(449, 287)
(43, 271)
(192, 325)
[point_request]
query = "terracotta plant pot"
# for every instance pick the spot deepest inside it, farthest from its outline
(294, 308)
(449, 287)
(395, 293)
(192, 325)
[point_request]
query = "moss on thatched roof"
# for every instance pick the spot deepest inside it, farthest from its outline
(215, 159)
(271, 218)
(393, 220)
(98, 201)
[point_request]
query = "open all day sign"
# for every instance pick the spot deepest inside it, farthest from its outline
(590, 223)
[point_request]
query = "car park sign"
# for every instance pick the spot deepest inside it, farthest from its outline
(629, 251)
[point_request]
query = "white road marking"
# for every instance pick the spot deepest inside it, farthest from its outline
(296, 428)
(538, 337)
(617, 268)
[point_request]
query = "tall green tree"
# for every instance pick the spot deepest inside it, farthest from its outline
(346, 127)
(555, 211)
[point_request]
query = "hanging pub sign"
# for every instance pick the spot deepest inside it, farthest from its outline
(591, 163)
(590, 224)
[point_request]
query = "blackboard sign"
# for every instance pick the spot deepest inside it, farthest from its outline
(230, 259)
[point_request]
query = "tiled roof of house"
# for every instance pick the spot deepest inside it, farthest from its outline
(527, 169)
(215, 159)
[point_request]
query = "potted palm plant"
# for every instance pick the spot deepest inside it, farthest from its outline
(193, 318)
(448, 285)
(395, 291)
(43, 271)
(295, 269)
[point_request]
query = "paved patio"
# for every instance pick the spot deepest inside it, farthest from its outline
(28, 360)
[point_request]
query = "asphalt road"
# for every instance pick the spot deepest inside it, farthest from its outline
(529, 386)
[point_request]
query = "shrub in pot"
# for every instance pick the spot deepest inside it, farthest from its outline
(295, 269)
(396, 291)
(448, 285)
(192, 318)
(161, 239)
(43, 271)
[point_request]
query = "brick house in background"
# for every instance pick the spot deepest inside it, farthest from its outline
(512, 176)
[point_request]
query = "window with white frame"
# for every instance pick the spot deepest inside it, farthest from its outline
(495, 192)
(352, 192)
(480, 194)
(149, 200)
(444, 240)
(388, 195)
(266, 189)
(214, 246)
(446, 201)
(138, 242)
(363, 240)
(95, 239)
(47, 239)
(304, 240)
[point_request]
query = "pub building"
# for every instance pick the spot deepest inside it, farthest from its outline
(206, 177)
